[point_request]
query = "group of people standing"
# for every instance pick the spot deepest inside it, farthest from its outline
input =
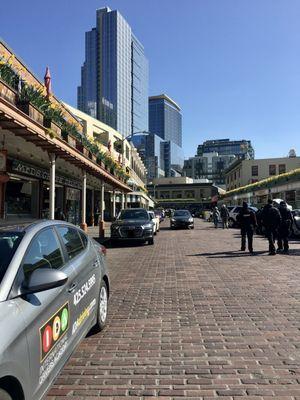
(277, 223)
(223, 214)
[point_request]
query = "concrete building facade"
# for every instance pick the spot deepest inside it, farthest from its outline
(183, 192)
(244, 172)
(209, 166)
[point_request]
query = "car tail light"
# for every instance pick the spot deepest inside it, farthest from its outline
(102, 250)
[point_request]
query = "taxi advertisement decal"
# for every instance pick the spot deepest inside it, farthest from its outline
(53, 330)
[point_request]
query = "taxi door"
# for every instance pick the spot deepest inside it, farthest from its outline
(85, 288)
(47, 314)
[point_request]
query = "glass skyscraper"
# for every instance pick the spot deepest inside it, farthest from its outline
(165, 118)
(114, 76)
(165, 121)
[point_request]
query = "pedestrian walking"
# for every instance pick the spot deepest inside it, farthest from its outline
(284, 228)
(271, 220)
(224, 216)
(216, 216)
(247, 220)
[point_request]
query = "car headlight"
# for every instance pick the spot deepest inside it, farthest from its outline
(173, 220)
(191, 219)
(148, 226)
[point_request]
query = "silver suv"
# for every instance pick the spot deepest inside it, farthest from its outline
(54, 288)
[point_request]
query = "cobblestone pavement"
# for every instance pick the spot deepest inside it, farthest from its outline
(192, 317)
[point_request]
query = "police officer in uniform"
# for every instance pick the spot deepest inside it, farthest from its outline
(284, 228)
(271, 220)
(247, 220)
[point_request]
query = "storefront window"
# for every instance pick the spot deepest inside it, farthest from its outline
(21, 198)
(73, 205)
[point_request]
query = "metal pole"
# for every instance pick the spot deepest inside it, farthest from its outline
(83, 201)
(114, 204)
(101, 216)
(122, 201)
(102, 202)
(52, 187)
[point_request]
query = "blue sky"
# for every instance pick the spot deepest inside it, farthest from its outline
(232, 65)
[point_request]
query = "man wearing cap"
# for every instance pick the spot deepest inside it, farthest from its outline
(271, 220)
(284, 228)
(247, 220)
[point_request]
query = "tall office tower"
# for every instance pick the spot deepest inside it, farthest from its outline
(87, 92)
(165, 121)
(114, 76)
(165, 118)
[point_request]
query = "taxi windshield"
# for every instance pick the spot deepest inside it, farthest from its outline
(9, 242)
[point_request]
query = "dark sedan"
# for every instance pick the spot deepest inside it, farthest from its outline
(132, 224)
(182, 219)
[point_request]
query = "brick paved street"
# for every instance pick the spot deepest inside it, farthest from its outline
(191, 317)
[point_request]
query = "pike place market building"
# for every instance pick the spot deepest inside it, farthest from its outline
(47, 165)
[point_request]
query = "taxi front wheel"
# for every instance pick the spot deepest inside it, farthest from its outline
(4, 395)
(102, 307)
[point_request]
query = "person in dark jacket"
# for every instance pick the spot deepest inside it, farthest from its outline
(271, 220)
(247, 220)
(224, 216)
(284, 227)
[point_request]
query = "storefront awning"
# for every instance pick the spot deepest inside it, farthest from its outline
(20, 124)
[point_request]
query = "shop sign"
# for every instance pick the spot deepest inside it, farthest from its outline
(39, 173)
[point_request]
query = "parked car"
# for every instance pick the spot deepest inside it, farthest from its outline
(276, 203)
(233, 213)
(155, 221)
(182, 219)
(296, 223)
(54, 288)
(132, 224)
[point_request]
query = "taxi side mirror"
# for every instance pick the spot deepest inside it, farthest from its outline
(44, 279)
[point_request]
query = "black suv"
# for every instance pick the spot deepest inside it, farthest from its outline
(132, 224)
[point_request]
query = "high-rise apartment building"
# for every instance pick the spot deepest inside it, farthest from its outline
(114, 76)
(239, 148)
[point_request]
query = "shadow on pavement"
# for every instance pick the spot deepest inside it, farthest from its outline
(112, 245)
(228, 254)
(293, 252)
